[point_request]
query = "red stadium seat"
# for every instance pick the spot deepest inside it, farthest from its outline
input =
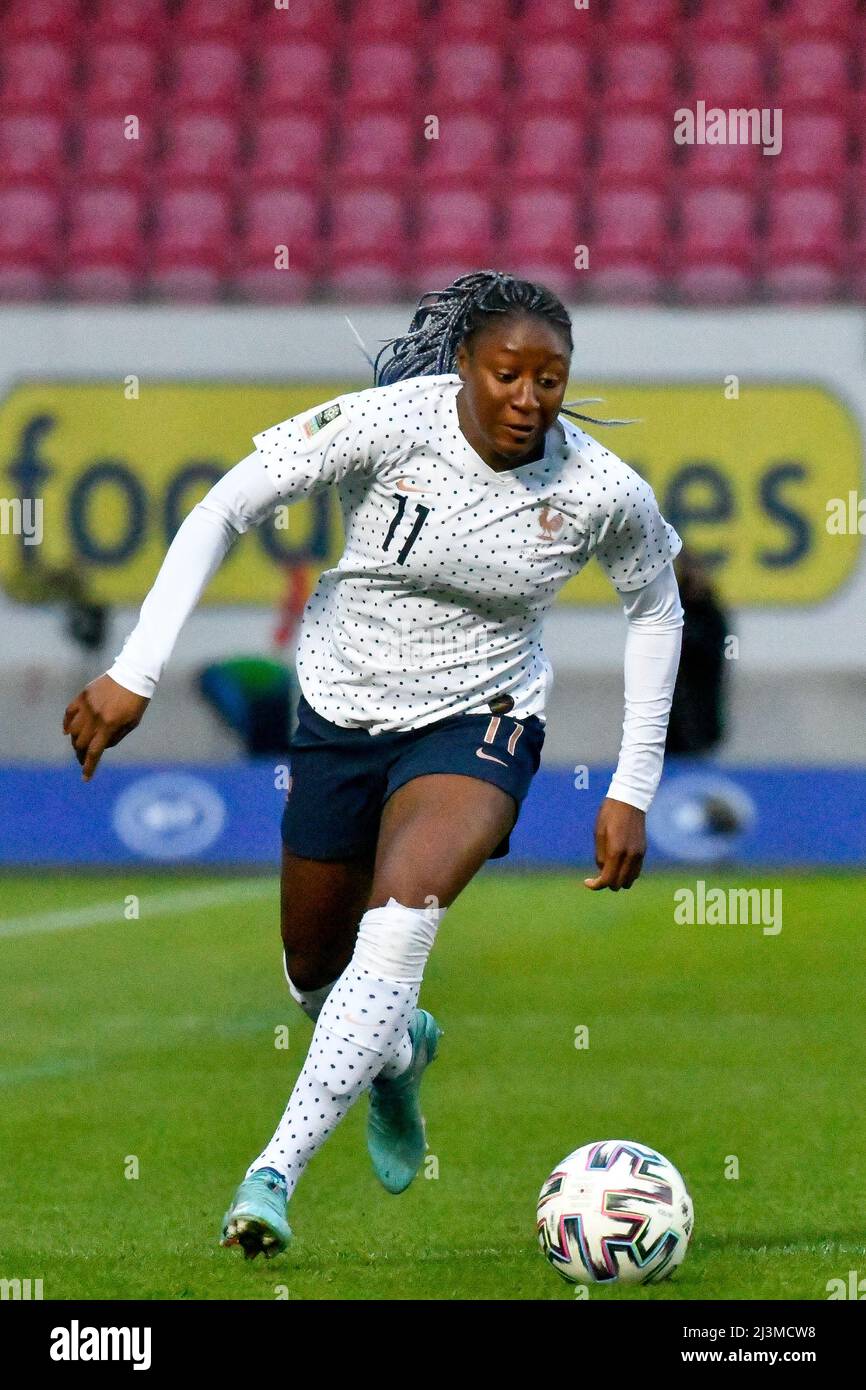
(803, 282)
(367, 280)
(855, 254)
(295, 76)
(24, 282)
(628, 220)
(376, 148)
(49, 19)
(105, 227)
(543, 223)
(469, 149)
(122, 75)
(718, 223)
(626, 279)
(32, 149)
(118, 19)
(812, 70)
(107, 155)
(554, 74)
(200, 148)
(554, 273)
(728, 72)
(743, 19)
(289, 151)
(466, 76)
(737, 165)
(805, 222)
(201, 281)
(643, 16)
(192, 224)
(549, 149)
(710, 282)
(639, 72)
(298, 20)
(258, 284)
(804, 252)
(285, 217)
(101, 283)
(36, 76)
(833, 17)
(455, 225)
(30, 223)
(208, 76)
(217, 19)
(635, 146)
(381, 75)
(474, 19)
(387, 19)
(814, 148)
(542, 19)
(366, 222)
(430, 270)
(290, 218)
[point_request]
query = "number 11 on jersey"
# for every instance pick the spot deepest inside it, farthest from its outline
(423, 513)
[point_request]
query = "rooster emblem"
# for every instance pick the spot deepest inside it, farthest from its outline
(550, 522)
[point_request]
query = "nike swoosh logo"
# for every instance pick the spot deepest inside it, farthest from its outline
(359, 1021)
(480, 753)
(403, 486)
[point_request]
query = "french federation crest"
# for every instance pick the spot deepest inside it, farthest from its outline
(550, 522)
(319, 421)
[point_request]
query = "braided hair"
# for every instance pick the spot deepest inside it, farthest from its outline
(446, 318)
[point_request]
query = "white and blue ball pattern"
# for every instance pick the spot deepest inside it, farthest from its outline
(614, 1211)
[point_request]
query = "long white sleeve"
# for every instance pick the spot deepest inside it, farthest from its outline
(652, 656)
(240, 499)
(293, 459)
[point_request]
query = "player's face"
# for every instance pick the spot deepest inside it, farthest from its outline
(514, 374)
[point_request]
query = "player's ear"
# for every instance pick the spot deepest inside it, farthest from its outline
(461, 361)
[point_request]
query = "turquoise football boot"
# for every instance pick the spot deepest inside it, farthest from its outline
(396, 1137)
(256, 1219)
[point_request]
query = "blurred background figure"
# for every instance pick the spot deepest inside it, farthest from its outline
(257, 696)
(698, 714)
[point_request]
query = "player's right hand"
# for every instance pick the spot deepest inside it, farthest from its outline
(100, 717)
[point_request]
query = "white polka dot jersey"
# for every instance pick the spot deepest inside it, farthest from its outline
(449, 566)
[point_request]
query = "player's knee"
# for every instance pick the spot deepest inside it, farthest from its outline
(395, 941)
(309, 970)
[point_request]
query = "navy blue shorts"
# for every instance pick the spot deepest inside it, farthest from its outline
(341, 778)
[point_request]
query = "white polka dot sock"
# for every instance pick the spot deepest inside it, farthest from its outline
(396, 1065)
(360, 1027)
(311, 1001)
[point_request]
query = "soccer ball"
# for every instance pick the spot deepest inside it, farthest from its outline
(614, 1211)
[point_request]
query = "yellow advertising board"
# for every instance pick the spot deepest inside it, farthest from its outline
(119, 474)
(745, 481)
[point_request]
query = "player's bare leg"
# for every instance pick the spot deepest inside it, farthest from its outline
(321, 904)
(436, 832)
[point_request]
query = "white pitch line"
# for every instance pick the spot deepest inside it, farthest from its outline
(186, 900)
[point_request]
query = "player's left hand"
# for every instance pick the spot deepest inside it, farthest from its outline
(620, 845)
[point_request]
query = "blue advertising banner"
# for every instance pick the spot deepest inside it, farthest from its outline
(185, 815)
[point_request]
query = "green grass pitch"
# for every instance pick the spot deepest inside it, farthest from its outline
(155, 1039)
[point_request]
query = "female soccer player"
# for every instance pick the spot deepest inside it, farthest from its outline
(468, 500)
